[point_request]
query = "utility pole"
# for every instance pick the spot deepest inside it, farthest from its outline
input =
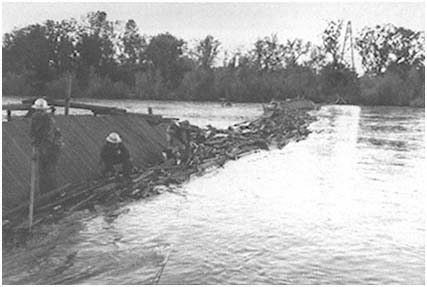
(348, 35)
(351, 47)
(68, 95)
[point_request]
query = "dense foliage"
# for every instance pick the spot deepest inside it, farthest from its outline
(111, 59)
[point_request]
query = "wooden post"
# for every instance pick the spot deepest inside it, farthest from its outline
(150, 110)
(34, 183)
(68, 96)
(9, 115)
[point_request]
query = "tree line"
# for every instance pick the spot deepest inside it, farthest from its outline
(113, 59)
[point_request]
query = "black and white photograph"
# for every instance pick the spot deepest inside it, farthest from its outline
(213, 143)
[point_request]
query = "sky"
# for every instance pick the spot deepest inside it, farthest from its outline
(235, 25)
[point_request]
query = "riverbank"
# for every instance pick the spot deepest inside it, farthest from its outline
(416, 103)
(213, 147)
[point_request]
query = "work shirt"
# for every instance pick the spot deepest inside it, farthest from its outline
(171, 133)
(42, 128)
(184, 135)
(48, 141)
(111, 154)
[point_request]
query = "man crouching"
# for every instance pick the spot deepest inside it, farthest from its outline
(114, 153)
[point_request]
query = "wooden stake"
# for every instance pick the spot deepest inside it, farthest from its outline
(34, 183)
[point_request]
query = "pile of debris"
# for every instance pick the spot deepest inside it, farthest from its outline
(275, 128)
(280, 124)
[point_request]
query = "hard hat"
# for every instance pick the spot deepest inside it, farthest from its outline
(40, 104)
(114, 138)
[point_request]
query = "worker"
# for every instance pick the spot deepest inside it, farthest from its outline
(173, 144)
(171, 133)
(47, 140)
(179, 142)
(114, 153)
(185, 138)
(31, 110)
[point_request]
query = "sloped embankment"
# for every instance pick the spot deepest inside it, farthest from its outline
(83, 137)
(212, 147)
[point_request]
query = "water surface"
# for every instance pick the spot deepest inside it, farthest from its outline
(344, 206)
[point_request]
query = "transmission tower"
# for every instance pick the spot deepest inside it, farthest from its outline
(348, 35)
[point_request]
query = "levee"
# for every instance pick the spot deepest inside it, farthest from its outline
(83, 138)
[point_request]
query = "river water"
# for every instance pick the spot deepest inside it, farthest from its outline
(344, 206)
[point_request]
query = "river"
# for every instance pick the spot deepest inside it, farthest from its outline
(344, 206)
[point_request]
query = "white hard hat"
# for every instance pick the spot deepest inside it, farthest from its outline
(40, 104)
(114, 138)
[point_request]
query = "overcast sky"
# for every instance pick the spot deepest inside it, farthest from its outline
(236, 25)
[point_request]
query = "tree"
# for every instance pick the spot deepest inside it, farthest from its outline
(27, 51)
(131, 54)
(96, 46)
(206, 52)
(330, 39)
(337, 82)
(133, 44)
(316, 58)
(163, 53)
(200, 81)
(383, 46)
(294, 50)
(62, 37)
(268, 53)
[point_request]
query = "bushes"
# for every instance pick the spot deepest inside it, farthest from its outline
(241, 84)
(145, 84)
(57, 89)
(391, 90)
(104, 88)
(368, 87)
(394, 88)
(17, 85)
(97, 87)
(418, 101)
(338, 81)
(301, 82)
(227, 84)
(198, 84)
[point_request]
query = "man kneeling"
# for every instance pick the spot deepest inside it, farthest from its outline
(114, 153)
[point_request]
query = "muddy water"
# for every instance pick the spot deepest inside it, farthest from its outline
(345, 206)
